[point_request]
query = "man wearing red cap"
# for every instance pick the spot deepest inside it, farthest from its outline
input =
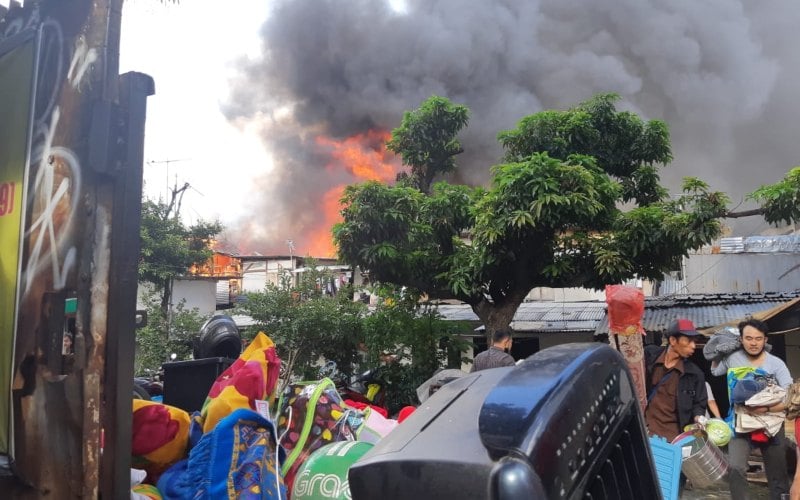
(676, 387)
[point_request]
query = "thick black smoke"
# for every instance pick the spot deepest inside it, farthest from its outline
(722, 73)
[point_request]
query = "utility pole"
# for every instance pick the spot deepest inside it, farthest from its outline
(290, 244)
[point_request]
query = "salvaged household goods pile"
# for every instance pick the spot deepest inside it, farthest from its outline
(233, 448)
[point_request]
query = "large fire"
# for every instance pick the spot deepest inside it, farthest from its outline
(365, 157)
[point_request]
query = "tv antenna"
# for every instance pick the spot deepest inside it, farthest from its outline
(167, 162)
(175, 194)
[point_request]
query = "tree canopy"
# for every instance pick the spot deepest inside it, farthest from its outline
(165, 335)
(576, 202)
(780, 202)
(169, 248)
(307, 325)
(426, 140)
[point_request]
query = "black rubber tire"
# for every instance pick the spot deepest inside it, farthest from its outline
(140, 393)
(219, 338)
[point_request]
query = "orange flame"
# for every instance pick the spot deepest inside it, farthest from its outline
(365, 157)
(321, 244)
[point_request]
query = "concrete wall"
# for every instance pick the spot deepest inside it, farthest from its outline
(201, 294)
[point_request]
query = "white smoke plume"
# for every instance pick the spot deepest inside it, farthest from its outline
(721, 73)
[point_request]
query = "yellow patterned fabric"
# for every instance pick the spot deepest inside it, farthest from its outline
(251, 377)
(160, 436)
(147, 490)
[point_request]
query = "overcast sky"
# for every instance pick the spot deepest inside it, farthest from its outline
(188, 49)
(248, 91)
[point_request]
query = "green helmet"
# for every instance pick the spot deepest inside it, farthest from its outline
(323, 476)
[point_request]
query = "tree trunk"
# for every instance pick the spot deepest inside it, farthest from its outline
(287, 368)
(498, 315)
(166, 297)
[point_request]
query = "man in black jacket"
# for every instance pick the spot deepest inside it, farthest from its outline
(676, 391)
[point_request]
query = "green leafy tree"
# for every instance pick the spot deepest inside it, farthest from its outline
(165, 335)
(780, 202)
(307, 325)
(416, 338)
(169, 248)
(426, 140)
(552, 216)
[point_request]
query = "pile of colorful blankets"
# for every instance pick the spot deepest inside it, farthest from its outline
(233, 447)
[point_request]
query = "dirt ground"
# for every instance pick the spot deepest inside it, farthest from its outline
(720, 492)
(758, 485)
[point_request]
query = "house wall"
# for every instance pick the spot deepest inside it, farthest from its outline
(201, 294)
(254, 276)
(254, 282)
(549, 339)
(547, 294)
(276, 267)
(742, 272)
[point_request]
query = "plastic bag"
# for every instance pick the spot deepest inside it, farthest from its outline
(625, 309)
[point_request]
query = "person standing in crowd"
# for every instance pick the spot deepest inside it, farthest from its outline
(753, 334)
(713, 409)
(676, 390)
(496, 355)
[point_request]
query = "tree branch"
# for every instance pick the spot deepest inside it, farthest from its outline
(744, 213)
(455, 152)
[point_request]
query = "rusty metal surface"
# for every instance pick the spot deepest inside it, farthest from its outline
(125, 242)
(60, 400)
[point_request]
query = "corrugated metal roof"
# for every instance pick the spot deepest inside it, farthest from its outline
(731, 245)
(457, 312)
(704, 299)
(788, 243)
(541, 316)
(656, 319)
(243, 320)
(705, 310)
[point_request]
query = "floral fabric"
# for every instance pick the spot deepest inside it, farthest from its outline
(253, 376)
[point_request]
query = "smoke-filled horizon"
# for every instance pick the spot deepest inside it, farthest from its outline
(720, 73)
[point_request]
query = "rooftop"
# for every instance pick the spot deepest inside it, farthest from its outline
(705, 310)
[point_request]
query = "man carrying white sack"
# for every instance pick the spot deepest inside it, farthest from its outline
(768, 412)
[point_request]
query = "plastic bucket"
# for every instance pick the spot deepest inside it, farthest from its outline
(703, 463)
